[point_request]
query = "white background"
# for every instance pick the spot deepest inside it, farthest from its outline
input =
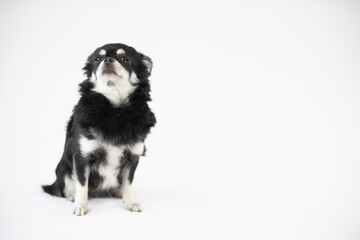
(258, 111)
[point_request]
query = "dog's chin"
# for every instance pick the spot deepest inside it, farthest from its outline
(111, 78)
(109, 75)
(108, 72)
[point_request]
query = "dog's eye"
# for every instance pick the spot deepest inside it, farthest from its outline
(97, 59)
(124, 59)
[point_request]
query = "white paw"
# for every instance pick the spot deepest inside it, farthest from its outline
(133, 207)
(80, 210)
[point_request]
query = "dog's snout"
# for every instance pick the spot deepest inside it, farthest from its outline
(108, 60)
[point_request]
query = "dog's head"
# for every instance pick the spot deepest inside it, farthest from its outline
(117, 64)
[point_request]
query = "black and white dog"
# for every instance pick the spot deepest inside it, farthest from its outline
(106, 132)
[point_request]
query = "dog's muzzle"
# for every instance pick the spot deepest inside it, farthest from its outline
(108, 67)
(108, 61)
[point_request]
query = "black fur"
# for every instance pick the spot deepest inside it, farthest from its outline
(126, 124)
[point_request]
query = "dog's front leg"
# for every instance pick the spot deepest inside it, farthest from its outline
(127, 194)
(81, 173)
(131, 161)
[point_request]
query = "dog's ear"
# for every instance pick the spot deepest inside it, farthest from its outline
(87, 68)
(145, 66)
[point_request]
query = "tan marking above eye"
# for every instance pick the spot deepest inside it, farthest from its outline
(102, 52)
(120, 51)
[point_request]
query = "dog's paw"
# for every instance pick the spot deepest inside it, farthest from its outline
(80, 210)
(133, 207)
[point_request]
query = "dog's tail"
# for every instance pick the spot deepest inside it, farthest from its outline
(53, 189)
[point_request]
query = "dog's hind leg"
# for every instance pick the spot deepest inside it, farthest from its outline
(69, 190)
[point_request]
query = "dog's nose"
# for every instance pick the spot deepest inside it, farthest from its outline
(108, 60)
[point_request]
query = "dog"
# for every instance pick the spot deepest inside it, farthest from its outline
(106, 132)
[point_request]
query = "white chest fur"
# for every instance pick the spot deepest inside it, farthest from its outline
(110, 168)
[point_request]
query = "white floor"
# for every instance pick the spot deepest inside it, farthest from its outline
(212, 202)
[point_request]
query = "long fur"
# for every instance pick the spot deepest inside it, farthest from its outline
(95, 116)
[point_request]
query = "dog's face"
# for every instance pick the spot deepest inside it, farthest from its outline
(116, 65)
